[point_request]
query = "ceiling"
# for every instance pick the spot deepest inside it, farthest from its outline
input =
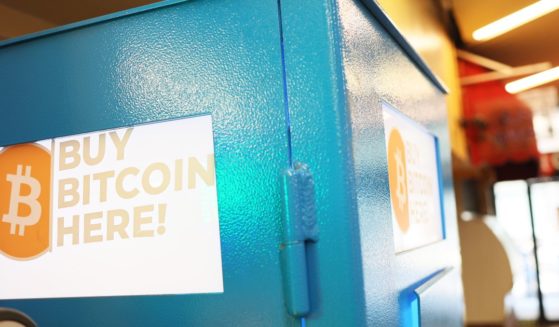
(534, 42)
(19, 17)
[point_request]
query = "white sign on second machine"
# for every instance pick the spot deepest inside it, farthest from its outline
(414, 181)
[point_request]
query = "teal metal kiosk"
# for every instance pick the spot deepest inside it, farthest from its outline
(298, 93)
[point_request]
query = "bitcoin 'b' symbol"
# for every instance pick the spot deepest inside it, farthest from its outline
(401, 192)
(25, 201)
(16, 199)
(398, 179)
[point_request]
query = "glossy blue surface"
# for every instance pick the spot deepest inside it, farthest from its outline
(196, 57)
(436, 299)
(317, 101)
(375, 70)
(321, 136)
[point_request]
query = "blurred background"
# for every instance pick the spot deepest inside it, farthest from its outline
(498, 60)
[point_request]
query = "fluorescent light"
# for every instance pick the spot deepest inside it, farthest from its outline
(516, 19)
(531, 81)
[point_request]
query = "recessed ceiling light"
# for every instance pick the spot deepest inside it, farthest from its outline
(516, 19)
(531, 81)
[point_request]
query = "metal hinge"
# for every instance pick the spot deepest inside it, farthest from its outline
(299, 228)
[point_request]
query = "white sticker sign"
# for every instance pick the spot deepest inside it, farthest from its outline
(131, 211)
(413, 172)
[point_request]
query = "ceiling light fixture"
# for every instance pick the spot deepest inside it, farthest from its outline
(531, 81)
(516, 19)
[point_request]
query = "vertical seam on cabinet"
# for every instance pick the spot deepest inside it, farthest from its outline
(284, 85)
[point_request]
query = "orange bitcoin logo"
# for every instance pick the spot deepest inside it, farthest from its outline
(398, 179)
(25, 174)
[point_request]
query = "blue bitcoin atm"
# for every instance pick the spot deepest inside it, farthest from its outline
(226, 163)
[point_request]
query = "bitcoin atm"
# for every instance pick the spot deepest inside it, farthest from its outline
(226, 163)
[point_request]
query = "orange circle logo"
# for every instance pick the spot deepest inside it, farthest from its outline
(398, 179)
(25, 171)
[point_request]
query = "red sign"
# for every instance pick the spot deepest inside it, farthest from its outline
(498, 125)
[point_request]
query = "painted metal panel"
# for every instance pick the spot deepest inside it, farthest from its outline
(191, 58)
(437, 300)
(376, 70)
(321, 138)
(338, 76)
